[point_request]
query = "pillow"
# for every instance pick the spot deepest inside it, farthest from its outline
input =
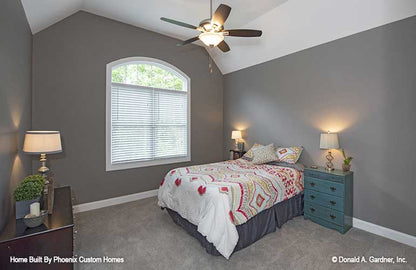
(289, 154)
(264, 154)
(249, 155)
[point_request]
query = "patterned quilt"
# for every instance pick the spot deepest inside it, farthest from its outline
(250, 188)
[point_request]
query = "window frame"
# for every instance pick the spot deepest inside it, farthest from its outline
(153, 162)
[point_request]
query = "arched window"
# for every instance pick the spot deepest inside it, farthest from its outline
(148, 114)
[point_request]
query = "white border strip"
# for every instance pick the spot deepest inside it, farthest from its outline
(400, 237)
(114, 201)
(357, 223)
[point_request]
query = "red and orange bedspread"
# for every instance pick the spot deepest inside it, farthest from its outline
(251, 188)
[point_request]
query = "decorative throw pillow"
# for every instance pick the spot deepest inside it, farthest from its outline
(289, 154)
(249, 155)
(264, 154)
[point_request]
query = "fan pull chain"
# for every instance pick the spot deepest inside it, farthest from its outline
(209, 64)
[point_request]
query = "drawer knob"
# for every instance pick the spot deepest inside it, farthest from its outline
(312, 197)
(312, 209)
(332, 188)
(332, 216)
(332, 202)
(312, 184)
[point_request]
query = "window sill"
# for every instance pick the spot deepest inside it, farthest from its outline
(141, 164)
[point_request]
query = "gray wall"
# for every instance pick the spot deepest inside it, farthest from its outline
(15, 105)
(364, 87)
(69, 66)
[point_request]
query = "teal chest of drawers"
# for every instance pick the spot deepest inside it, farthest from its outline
(328, 198)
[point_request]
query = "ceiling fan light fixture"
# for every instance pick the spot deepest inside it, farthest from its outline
(211, 39)
(212, 30)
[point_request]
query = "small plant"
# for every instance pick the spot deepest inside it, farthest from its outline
(30, 188)
(36, 178)
(347, 160)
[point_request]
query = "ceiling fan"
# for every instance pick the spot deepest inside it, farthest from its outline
(212, 30)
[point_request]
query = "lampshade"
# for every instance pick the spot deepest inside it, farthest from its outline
(211, 39)
(329, 141)
(236, 135)
(42, 142)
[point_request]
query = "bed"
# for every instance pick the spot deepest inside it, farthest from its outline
(229, 205)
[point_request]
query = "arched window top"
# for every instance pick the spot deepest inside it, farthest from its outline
(148, 72)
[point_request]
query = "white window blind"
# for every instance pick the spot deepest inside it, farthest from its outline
(148, 125)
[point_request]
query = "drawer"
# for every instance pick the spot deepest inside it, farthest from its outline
(324, 213)
(325, 176)
(327, 187)
(323, 199)
(326, 223)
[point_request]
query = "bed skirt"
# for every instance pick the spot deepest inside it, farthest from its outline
(255, 228)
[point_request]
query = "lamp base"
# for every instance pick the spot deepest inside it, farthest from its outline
(240, 146)
(43, 169)
(48, 194)
(329, 164)
(236, 145)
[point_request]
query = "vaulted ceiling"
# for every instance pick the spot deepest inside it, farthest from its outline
(288, 25)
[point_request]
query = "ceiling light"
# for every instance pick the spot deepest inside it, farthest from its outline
(211, 39)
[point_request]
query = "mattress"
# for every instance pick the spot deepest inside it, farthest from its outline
(217, 197)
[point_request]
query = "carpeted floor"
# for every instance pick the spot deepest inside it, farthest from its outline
(147, 238)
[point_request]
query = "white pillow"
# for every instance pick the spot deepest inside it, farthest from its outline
(264, 154)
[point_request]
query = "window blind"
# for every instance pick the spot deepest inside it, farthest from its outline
(147, 123)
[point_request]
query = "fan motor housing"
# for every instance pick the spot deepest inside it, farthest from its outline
(206, 26)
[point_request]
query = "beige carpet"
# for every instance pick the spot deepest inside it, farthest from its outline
(147, 238)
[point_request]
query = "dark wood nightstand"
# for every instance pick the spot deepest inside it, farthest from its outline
(328, 198)
(53, 238)
(237, 153)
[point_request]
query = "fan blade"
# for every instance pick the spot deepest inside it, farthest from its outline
(188, 41)
(242, 33)
(221, 15)
(178, 23)
(223, 46)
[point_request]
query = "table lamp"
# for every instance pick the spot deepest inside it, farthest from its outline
(329, 141)
(236, 135)
(42, 143)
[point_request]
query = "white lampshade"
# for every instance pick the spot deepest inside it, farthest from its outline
(42, 142)
(211, 39)
(236, 135)
(329, 141)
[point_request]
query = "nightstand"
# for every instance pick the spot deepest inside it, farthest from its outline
(328, 198)
(237, 153)
(53, 238)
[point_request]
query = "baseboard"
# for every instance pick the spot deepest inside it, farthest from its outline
(114, 201)
(357, 223)
(400, 237)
